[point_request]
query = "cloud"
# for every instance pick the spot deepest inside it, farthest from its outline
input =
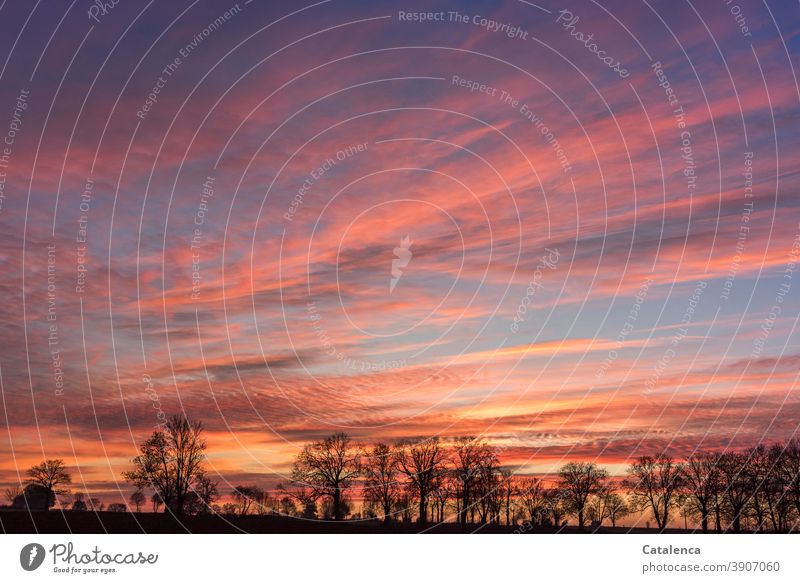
(276, 331)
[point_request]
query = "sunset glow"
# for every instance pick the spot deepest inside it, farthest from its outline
(290, 220)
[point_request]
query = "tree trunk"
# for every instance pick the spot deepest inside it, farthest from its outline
(337, 505)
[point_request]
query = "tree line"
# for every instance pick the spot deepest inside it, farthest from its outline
(756, 489)
(462, 480)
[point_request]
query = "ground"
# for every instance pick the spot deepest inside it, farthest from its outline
(58, 522)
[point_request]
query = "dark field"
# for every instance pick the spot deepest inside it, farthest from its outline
(57, 522)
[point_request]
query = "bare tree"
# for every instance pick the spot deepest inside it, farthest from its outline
(246, 496)
(758, 474)
(156, 501)
(791, 472)
(778, 500)
(403, 507)
(532, 499)
(137, 499)
(326, 509)
(422, 462)
(655, 482)
(12, 492)
(328, 467)
(488, 489)
(381, 478)
(734, 486)
(298, 495)
(264, 503)
(470, 455)
(508, 492)
(207, 491)
(170, 462)
(578, 481)
(444, 490)
(556, 500)
(310, 510)
(596, 507)
(700, 485)
(288, 506)
(79, 501)
(50, 474)
(82, 502)
(616, 507)
(768, 484)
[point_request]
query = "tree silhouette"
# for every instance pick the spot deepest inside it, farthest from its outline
(246, 496)
(381, 478)
(615, 507)
(755, 489)
(422, 462)
(95, 504)
(578, 481)
(156, 501)
(556, 501)
(489, 488)
(310, 510)
(287, 506)
(596, 507)
(734, 485)
(300, 496)
(470, 455)
(79, 502)
(700, 486)
(779, 502)
(768, 483)
(207, 492)
(265, 504)
(137, 499)
(508, 492)
(654, 482)
(12, 492)
(444, 489)
(171, 462)
(50, 474)
(791, 470)
(532, 500)
(328, 467)
(327, 510)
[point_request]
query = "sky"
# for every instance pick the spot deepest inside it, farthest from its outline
(571, 228)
